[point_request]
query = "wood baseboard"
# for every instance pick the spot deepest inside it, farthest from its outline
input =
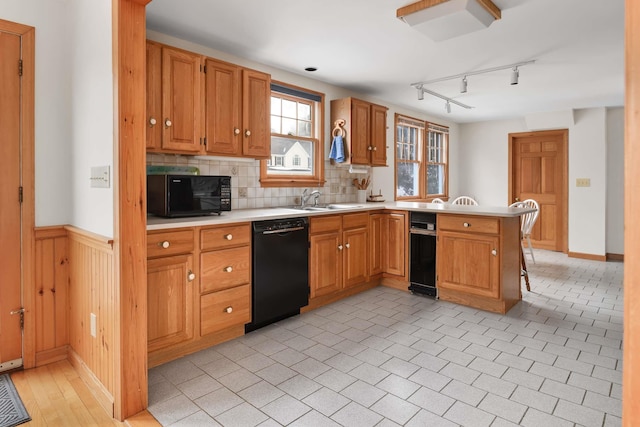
(591, 257)
(615, 257)
(52, 355)
(101, 394)
(390, 282)
(328, 299)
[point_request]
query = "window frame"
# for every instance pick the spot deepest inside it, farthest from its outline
(422, 155)
(317, 114)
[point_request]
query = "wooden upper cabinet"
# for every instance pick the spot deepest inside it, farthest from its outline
(223, 108)
(256, 114)
(154, 96)
(366, 130)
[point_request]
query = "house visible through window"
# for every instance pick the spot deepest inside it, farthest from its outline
(296, 138)
(421, 159)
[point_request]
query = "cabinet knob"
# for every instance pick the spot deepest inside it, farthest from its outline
(375, 148)
(228, 236)
(494, 252)
(247, 132)
(236, 131)
(152, 122)
(347, 245)
(191, 276)
(228, 310)
(339, 247)
(370, 148)
(165, 244)
(228, 269)
(167, 123)
(517, 200)
(467, 225)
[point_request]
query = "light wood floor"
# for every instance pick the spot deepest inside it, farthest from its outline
(55, 395)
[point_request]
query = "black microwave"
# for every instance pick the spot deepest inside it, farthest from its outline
(188, 195)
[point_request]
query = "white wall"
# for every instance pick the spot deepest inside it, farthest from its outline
(615, 181)
(92, 95)
(483, 172)
(53, 195)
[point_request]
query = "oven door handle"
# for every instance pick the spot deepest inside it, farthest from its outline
(422, 231)
(284, 230)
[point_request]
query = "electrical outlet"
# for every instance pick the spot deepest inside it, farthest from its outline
(93, 324)
(583, 182)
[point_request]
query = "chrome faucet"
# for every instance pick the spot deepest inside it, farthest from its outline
(305, 197)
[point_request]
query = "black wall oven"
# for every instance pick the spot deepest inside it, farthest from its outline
(422, 249)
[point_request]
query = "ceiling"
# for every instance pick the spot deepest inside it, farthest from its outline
(360, 45)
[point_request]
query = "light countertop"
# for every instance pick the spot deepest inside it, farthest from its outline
(247, 215)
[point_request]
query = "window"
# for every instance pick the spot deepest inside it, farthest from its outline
(421, 159)
(296, 138)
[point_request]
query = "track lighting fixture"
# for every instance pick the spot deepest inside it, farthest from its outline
(420, 93)
(447, 107)
(514, 76)
(449, 101)
(463, 85)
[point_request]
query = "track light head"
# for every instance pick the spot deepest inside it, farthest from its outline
(514, 76)
(420, 93)
(447, 107)
(463, 85)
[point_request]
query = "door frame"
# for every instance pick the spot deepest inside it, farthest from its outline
(27, 36)
(564, 187)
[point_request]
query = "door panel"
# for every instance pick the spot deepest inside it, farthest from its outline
(10, 210)
(539, 172)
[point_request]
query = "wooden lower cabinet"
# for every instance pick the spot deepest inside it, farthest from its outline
(169, 301)
(388, 237)
(223, 309)
(325, 263)
(478, 261)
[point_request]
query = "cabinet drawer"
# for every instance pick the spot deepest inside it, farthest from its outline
(358, 220)
(222, 309)
(325, 224)
(225, 268)
(226, 236)
(469, 224)
(169, 243)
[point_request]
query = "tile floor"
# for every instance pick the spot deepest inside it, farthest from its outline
(388, 358)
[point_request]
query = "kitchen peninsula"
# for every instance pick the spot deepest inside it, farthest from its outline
(353, 247)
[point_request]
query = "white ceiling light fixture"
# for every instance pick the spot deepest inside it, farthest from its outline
(445, 19)
(447, 107)
(514, 76)
(420, 93)
(448, 101)
(463, 85)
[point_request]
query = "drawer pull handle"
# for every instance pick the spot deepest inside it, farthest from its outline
(494, 252)
(228, 236)
(191, 276)
(339, 247)
(228, 269)
(228, 310)
(467, 225)
(167, 123)
(164, 244)
(236, 131)
(348, 246)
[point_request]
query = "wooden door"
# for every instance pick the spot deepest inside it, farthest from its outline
(539, 171)
(222, 108)
(378, 135)
(10, 209)
(181, 100)
(169, 301)
(256, 114)
(355, 260)
(376, 246)
(360, 132)
(467, 263)
(395, 244)
(325, 262)
(154, 96)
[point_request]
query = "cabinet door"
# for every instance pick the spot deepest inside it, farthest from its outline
(376, 247)
(360, 132)
(395, 243)
(181, 101)
(256, 114)
(325, 264)
(154, 96)
(378, 135)
(469, 263)
(355, 260)
(222, 108)
(169, 301)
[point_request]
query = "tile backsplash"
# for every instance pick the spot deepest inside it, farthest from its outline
(246, 191)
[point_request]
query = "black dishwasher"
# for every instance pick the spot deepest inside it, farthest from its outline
(280, 285)
(422, 247)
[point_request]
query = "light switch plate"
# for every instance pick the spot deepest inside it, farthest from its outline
(100, 177)
(583, 182)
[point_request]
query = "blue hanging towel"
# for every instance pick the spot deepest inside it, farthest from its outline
(337, 149)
